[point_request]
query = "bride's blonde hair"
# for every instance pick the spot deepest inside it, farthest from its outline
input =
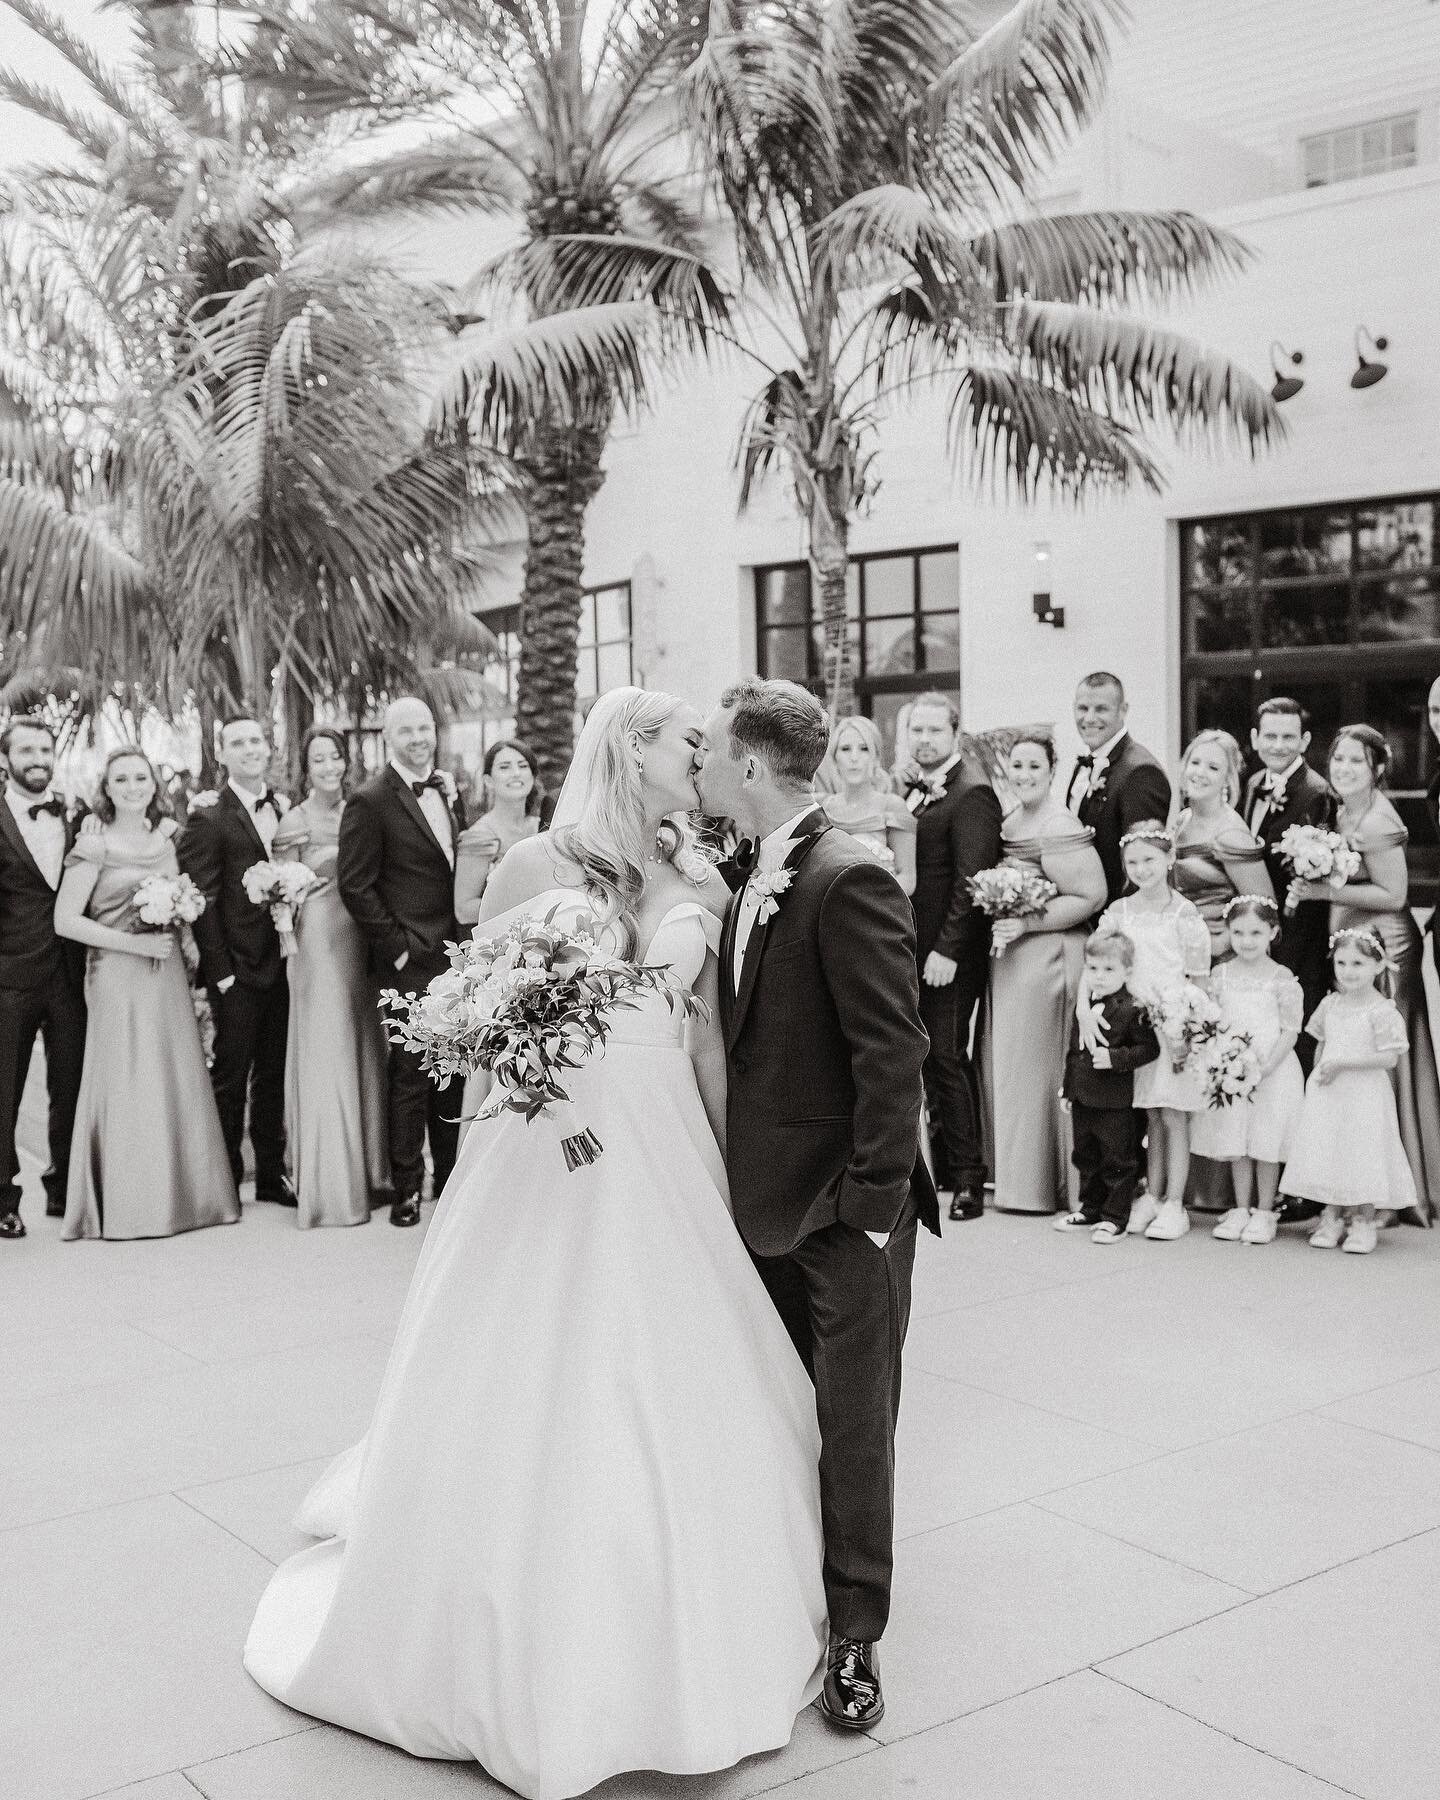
(609, 840)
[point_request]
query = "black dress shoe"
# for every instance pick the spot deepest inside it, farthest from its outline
(851, 1697)
(277, 1193)
(967, 1203)
(405, 1212)
(54, 1206)
(11, 1225)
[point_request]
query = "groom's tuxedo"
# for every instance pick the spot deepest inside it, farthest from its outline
(825, 1049)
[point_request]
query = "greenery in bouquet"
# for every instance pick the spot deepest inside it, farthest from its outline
(282, 886)
(1011, 891)
(1185, 1017)
(526, 1005)
(166, 902)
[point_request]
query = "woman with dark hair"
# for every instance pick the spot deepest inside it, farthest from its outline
(335, 1055)
(1378, 896)
(1034, 977)
(147, 1158)
(510, 813)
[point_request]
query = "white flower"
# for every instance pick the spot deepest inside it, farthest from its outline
(767, 890)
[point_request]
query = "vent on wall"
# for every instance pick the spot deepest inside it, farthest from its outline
(1367, 149)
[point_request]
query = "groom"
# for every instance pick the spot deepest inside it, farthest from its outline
(820, 1009)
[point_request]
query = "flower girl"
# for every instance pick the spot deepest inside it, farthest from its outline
(1172, 951)
(1258, 996)
(1348, 1150)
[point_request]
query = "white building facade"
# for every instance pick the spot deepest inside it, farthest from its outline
(1311, 128)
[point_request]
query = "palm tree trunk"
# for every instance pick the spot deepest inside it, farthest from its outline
(829, 568)
(565, 475)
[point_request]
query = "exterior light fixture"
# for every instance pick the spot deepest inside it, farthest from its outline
(1367, 373)
(1286, 386)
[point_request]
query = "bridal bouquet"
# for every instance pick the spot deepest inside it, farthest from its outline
(165, 902)
(1011, 891)
(525, 1005)
(1315, 854)
(282, 886)
(1185, 1017)
(1229, 1068)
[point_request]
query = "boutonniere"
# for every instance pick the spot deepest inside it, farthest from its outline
(205, 797)
(925, 793)
(768, 889)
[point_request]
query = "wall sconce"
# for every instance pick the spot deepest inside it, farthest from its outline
(1367, 373)
(1286, 386)
(1046, 612)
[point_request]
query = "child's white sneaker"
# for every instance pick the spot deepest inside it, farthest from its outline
(1106, 1232)
(1328, 1233)
(1232, 1227)
(1171, 1221)
(1071, 1221)
(1261, 1229)
(1362, 1237)
(1143, 1209)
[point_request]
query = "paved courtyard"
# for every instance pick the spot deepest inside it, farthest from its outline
(1170, 1520)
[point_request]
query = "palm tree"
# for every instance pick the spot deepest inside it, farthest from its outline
(215, 480)
(552, 115)
(874, 157)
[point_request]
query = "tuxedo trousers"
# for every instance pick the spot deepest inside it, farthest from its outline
(1304, 949)
(845, 1302)
(53, 1011)
(952, 1087)
(252, 1026)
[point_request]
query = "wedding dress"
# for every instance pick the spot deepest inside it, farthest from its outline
(583, 1533)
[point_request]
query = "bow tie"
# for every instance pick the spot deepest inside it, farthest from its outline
(268, 799)
(745, 856)
(1087, 761)
(54, 806)
(432, 780)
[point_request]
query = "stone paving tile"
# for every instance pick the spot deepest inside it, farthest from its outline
(258, 1508)
(163, 1787)
(1402, 1409)
(1338, 1674)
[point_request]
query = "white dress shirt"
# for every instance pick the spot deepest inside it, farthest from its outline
(773, 851)
(1270, 786)
(44, 836)
(1084, 780)
(434, 807)
(264, 818)
(934, 782)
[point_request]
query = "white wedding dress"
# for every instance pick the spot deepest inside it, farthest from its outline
(582, 1535)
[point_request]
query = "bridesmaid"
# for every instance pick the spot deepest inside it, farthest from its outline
(335, 1055)
(1216, 855)
(1033, 982)
(148, 1158)
(1378, 896)
(512, 812)
(867, 806)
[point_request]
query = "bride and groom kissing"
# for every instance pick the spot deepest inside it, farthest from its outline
(626, 1500)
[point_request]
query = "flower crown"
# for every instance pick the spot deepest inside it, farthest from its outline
(1261, 903)
(1148, 832)
(1365, 938)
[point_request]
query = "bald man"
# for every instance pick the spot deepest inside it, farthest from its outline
(396, 877)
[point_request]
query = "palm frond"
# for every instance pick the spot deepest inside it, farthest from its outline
(89, 133)
(104, 82)
(1018, 93)
(1107, 257)
(1023, 436)
(894, 223)
(563, 273)
(66, 579)
(437, 178)
(775, 435)
(568, 366)
(1131, 370)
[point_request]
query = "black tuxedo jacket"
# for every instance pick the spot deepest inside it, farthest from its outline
(31, 954)
(395, 881)
(955, 837)
(1132, 1043)
(825, 1048)
(1133, 787)
(1307, 800)
(234, 936)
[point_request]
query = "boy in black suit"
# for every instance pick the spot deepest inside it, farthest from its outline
(1287, 792)
(1100, 1087)
(241, 962)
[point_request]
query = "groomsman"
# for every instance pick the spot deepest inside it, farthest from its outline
(957, 824)
(1116, 782)
(1287, 792)
(41, 975)
(396, 877)
(240, 958)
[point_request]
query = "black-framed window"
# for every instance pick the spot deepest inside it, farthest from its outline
(501, 676)
(606, 657)
(1338, 606)
(903, 620)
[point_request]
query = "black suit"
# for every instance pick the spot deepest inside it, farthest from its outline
(1131, 787)
(825, 1051)
(955, 837)
(1304, 945)
(399, 887)
(1106, 1155)
(238, 942)
(41, 992)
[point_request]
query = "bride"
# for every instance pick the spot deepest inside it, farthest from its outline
(582, 1535)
